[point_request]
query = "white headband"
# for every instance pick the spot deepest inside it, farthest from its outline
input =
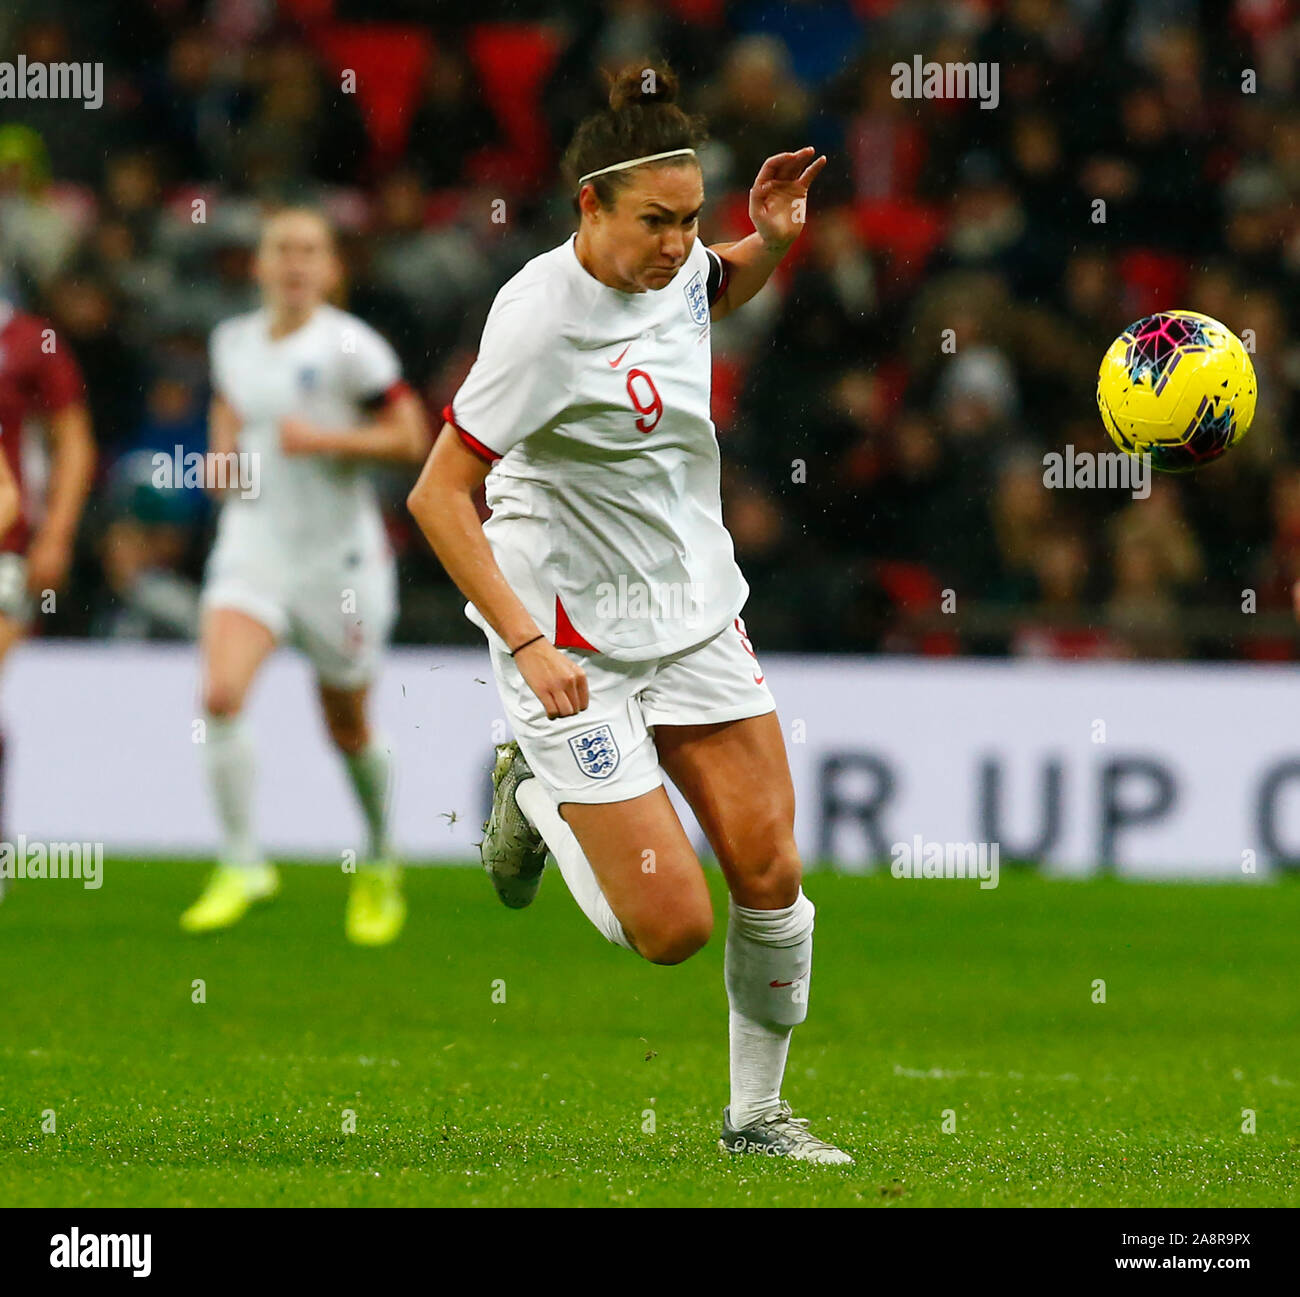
(633, 162)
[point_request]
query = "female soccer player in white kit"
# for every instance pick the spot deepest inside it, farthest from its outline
(608, 590)
(309, 393)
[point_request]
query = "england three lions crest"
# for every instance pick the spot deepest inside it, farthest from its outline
(596, 752)
(697, 299)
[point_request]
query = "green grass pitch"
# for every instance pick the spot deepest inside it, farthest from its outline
(501, 1058)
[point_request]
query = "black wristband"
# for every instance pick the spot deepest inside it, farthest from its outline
(526, 643)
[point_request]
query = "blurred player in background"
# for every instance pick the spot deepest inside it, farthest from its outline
(608, 588)
(38, 379)
(305, 394)
(11, 505)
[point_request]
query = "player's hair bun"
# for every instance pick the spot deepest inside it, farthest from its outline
(654, 83)
(642, 118)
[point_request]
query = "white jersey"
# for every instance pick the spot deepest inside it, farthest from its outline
(310, 510)
(606, 509)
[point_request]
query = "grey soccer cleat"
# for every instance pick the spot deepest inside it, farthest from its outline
(780, 1134)
(513, 852)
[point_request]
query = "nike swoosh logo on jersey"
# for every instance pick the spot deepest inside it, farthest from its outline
(614, 364)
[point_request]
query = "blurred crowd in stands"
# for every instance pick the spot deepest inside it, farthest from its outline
(885, 494)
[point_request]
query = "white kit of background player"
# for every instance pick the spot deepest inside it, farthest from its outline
(307, 393)
(614, 595)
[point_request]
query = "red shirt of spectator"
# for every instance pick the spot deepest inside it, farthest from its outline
(38, 376)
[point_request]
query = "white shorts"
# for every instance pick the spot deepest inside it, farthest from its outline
(607, 753)
(341, 620)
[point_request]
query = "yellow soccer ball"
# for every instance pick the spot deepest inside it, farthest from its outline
(1177, 386)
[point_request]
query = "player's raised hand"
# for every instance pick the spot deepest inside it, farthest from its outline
(298, 437)
(778, 200)
(559, 683)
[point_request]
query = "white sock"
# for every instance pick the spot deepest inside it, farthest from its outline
(767, 967)
(371, 773)
(536, 803)
(229, 758)
(758, 1055)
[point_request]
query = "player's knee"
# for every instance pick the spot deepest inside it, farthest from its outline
(221, 700)
(676, 941)
(768, 878)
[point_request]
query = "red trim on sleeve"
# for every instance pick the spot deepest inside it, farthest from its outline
(565, 635)
(482, 451)
(399, 387)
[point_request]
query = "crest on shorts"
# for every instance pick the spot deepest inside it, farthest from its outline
(596, 752)
(697, 299)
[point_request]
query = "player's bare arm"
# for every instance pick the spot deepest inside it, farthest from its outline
(223, 441)
(778, 207)
(11, 500)
(442, 502)
(73, 455)
(398, 433)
